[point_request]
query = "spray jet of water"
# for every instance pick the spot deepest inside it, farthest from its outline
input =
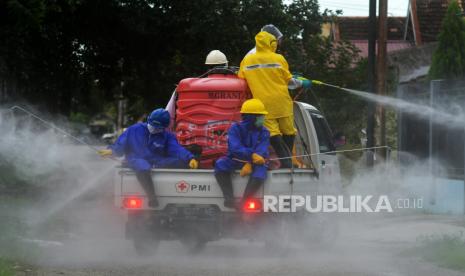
(422, 111)
(52, 126)
(59, 205)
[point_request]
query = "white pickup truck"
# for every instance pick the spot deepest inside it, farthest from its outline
(191, 202)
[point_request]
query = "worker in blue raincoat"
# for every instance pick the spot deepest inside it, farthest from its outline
(248, 143)
(149, 145)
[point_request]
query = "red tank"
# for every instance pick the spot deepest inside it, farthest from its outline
(205, 109)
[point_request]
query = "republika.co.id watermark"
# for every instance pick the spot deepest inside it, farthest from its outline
(338, 204)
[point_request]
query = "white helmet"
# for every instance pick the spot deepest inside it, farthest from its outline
(216, 57)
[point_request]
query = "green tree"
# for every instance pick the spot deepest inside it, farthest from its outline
(71, 56)
(449, 57)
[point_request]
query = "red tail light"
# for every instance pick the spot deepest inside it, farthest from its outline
(252, 205)
(132, 202)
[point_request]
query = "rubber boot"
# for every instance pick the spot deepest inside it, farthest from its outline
(145, 180)
(195, 149)
(289, 141)
(252, 187)
(281, 150)
(225, 182)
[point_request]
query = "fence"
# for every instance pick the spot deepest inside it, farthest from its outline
(423, 138)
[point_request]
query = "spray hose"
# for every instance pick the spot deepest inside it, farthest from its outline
(317, 82)
(52, 126)
(316, 154)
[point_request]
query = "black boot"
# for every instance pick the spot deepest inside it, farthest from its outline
(195, 149)
(289, 141)
(225, 182)
(281, 150)
(145, 180)
(252, 186)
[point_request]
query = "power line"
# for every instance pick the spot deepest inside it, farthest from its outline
(341, 4)
(357, 9)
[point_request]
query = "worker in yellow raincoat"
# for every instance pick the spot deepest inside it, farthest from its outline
(267, 74)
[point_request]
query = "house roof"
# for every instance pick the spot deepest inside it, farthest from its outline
(356, 28)
(430, 14)
(392, 46)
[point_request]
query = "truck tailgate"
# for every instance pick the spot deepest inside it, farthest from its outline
(182, 186)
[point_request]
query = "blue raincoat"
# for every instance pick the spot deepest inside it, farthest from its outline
(244, 139)
(144, 150)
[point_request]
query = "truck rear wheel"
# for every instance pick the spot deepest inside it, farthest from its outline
(193, 243)
(145, 247)
(142, 231)
(318, 230)
(278, 236)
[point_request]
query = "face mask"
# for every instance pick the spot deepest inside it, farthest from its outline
(154, 130)
(259, 121)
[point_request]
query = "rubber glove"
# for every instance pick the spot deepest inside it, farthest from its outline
(105, 152)
(246, 169)
(258, 159)
(306, 83)
(193, 164)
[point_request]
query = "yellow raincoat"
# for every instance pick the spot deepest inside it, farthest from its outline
(267, 75)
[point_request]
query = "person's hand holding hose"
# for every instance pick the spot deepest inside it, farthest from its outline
(258, 159)
(306, 83)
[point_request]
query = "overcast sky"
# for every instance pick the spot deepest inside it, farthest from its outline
(360, 7)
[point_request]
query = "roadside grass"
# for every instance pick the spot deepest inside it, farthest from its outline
(6, 268)
(13, 230)
(446, 251)
(19, 194)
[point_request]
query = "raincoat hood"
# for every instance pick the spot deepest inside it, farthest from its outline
(267, 75)
(265, 42)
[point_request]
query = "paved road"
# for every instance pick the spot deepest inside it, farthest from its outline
(365, 246)
(90, 241)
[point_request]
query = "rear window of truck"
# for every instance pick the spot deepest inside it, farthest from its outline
(323, 132)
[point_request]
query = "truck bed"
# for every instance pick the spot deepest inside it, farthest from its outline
(183, 186)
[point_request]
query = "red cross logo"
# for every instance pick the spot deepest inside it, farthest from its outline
(182, 187)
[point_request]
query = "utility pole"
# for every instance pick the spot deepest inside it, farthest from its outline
(435, 89)
(2, 91)
(382, 72)
(119, 123)
(371, 80)
(120, 109)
